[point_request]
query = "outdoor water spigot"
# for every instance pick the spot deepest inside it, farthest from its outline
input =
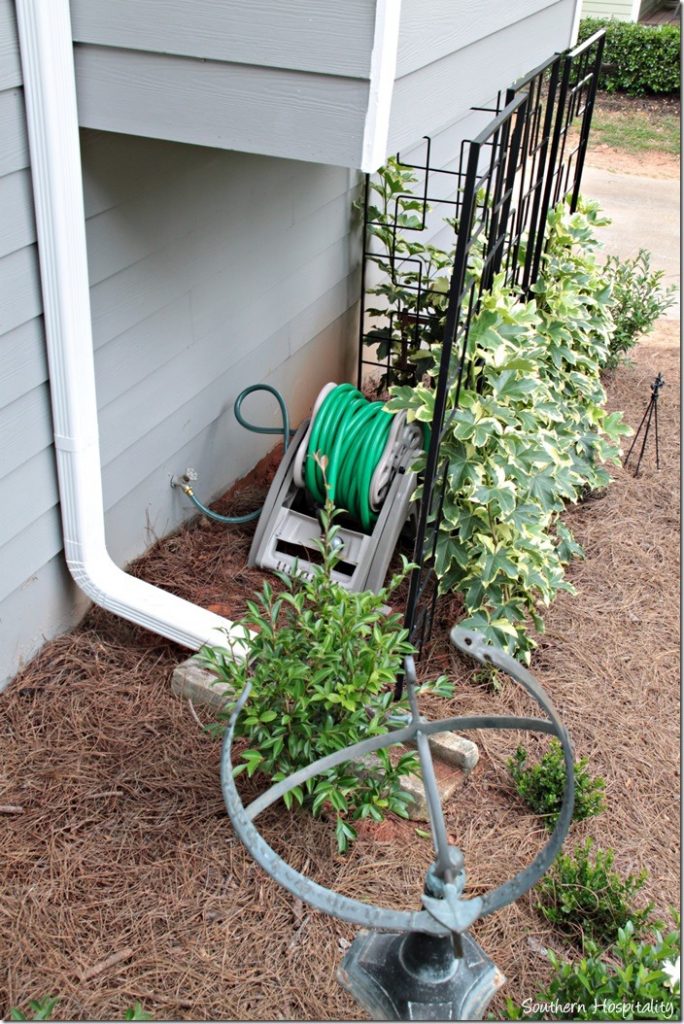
(185, 480)
(422, 964)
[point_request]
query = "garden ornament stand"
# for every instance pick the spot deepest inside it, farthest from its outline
(422, 964)
(651, 414)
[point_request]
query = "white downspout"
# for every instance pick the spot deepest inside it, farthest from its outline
(50, 92)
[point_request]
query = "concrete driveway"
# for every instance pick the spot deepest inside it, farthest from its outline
(645, 213)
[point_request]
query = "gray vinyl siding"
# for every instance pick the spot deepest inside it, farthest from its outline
(17, 227)
(285, 78)
(430, 31)
(10, 67)
(47, 604)
(209, 270)
(23, 366)
(276, 78)
(328, 37)
(291, 78)
(14, 150)
(448, 85)
(282, 113)
(623, 10)
(27, 474)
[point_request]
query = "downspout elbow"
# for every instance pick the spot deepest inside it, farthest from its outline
(104, 582)
(152, 608)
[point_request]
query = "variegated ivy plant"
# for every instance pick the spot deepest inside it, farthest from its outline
(530, 433)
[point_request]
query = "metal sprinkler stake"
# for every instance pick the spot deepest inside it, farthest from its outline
(651, 413)
(422, 964)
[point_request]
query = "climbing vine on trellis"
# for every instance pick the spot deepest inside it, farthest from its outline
(530, 433)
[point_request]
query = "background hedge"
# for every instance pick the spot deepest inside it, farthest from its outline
(637, 59)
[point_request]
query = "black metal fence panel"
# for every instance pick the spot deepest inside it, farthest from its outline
(496, 198)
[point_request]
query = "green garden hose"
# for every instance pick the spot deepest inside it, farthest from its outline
(349, 435)
(346, 442)
(284, 431)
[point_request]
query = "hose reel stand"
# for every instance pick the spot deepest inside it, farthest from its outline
(421, 964)
(288, 528)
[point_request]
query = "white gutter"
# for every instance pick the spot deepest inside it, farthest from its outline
(381, 86)
(50, 92)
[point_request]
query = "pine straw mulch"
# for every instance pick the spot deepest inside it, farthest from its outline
(653, 106)
(121, 879)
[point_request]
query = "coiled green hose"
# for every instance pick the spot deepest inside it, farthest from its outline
(348, 437)
(349, 434)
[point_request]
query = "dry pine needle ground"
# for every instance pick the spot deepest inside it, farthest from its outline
(120, 876)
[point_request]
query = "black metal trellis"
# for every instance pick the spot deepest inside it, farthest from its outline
(541, 88)
(491, 163)
(407, 321)
(503, 185)
(560, 91)
(577, 94)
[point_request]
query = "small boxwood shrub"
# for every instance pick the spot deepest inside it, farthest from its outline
(638, 59)
(541, 785)
(586, 899)
(639, 298)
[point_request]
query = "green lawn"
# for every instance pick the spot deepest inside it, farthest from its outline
(636, 131)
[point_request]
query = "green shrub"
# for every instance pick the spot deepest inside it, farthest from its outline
(632, 981)
(541, 785)
(637, 58)
(586, 899)
(322, 664)
(638, 300)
